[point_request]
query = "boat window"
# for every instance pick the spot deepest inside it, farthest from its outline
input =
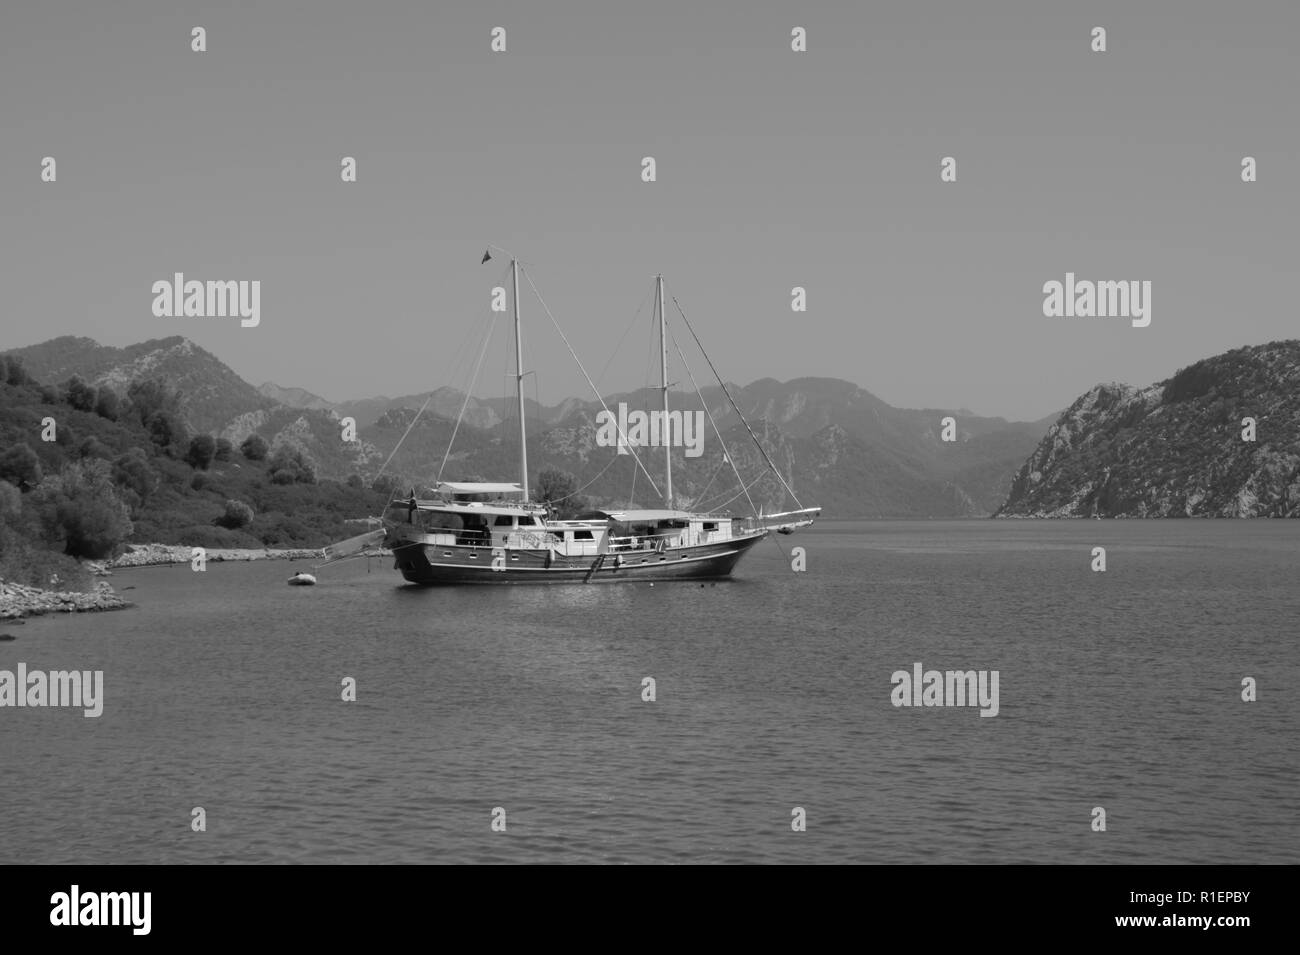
(710, 525)
(527, 521)
(582, 536)
(503, 520)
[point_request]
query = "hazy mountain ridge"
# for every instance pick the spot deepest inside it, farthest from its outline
(212, 395)
(294, 397)
(839, 445)
(1175, 448)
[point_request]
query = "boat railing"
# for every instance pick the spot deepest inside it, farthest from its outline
(657, 542)
(532, 540)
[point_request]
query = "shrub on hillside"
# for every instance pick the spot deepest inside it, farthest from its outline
(237, 515)
(292, 465)
(254, 448)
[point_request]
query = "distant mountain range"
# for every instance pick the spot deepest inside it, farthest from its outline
(837, 444)
(1176, 448)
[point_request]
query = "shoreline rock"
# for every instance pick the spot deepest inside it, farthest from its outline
(19, 600)
(148, 555)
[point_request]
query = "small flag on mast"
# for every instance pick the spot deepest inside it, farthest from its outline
(487, 254)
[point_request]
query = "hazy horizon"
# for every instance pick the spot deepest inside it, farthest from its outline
(775, 169)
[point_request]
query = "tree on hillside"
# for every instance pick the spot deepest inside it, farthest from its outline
(80, 395)
(157, 406)
(108, 405)
(560, 489)
(13, 372)
(11, 511)
(11, 502)
(225, 450)
(81, 507)
(254, 448)
(20, 466)
(136, 479)
(167, 431)
(203, 448)
(92, 447)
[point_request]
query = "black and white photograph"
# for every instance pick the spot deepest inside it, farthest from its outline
(614, 433)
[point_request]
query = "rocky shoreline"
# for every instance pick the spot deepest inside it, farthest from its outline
(147, 555)
(17, 600)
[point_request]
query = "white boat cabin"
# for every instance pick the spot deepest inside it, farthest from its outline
(485, 515)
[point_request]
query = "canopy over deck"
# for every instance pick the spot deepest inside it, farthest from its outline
(478, 487)
(644, 516)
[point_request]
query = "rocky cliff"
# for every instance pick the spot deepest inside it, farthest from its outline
(1183, 447)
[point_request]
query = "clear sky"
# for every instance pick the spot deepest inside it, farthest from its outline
(775, 169)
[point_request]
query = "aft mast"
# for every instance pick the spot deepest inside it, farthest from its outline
(663, 377)
(519, 383)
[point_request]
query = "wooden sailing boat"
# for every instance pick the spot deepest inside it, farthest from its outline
(493, 533)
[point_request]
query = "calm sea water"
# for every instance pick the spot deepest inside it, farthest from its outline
(1119, 690)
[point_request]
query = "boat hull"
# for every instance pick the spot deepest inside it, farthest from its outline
(433, 564)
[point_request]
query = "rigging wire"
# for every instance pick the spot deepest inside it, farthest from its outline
(626, 331)
(743, 490)
(469, 392)
(727, 392)
(456, 363)
(726, 454)
(596, 391)
(585, 486)
(487, 340)
(701, 497)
